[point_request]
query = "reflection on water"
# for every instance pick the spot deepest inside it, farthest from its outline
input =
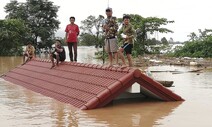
(23, 108)
(131, 113)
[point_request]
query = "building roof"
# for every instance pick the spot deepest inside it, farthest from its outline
(85, 86)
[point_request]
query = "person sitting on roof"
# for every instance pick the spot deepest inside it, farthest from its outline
(29, 52)
(57, 53)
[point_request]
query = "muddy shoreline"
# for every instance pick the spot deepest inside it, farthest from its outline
(156, 60)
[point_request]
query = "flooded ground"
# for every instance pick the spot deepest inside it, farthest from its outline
(20, 107)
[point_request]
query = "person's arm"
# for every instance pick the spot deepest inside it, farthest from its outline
(26, 51)
(33, 51)
(78, 31)
(106, 25)
(132, 32)
(106, 28)
(66, 30)
(58, 49)
(116, 27)
(66, 37)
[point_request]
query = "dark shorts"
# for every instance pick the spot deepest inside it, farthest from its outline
(61, 58)
(127, 48)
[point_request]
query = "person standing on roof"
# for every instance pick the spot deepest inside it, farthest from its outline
(127, 34)
(72, 31)
(110, 28)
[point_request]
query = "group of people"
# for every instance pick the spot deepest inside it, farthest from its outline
(126, 32)
(110, 28)
(58, 51)
(72, 32)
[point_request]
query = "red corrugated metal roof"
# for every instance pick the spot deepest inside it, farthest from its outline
(86, 86)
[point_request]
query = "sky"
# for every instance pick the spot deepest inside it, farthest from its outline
(189, 15)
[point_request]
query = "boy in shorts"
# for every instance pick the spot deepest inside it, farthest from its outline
(127, 34)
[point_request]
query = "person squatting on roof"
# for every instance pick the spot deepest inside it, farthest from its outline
(110, 28)
(29, 52)
(58, 53)
(127, 34)
(72, 31)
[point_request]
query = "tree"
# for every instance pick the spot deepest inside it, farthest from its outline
(164, 41)
(198, 46)
(171, 40)
(196, 49)
(88, 25)
(39, 15)
(12, 36)
(93, 27)
(87, 39)
(202, 34)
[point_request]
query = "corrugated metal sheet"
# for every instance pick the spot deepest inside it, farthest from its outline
(85, 86)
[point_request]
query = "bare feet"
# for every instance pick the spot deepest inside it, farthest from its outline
(109, 65)
(23, 63)
(52, 66)
(124, 66)
(116, 65)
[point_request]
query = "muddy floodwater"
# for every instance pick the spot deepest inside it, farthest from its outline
(20, 107)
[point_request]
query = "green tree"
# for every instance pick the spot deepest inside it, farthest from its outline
(202, 34)
(39, 15)
(87, 39)
(92, 28)
(12, 36)
(164, 41)
(197, 46)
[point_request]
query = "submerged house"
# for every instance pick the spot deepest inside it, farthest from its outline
(87, 86)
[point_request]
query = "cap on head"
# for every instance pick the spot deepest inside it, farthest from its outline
(108, 9)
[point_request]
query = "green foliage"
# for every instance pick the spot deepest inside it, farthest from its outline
(92, 31)
(88, 24)
(197, 48)
(202, 35)
(87, 39)
(12, 34)
(164, 41)
(199, 45)
(39, 16)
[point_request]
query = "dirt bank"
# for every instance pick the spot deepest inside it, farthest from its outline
(154, 60)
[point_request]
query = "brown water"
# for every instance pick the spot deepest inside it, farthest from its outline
(20, 107)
